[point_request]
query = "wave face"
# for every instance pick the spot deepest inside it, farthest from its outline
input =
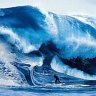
(28, 36)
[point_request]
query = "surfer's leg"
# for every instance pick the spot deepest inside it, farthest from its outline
(56, 80)
(59, 81)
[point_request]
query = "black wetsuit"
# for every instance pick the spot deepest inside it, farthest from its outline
(56, 79)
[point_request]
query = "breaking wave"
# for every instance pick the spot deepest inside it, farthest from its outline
(24, 30)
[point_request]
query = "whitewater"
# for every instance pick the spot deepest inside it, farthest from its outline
(34, 45)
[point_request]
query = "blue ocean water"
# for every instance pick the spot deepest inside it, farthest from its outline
(35, 45)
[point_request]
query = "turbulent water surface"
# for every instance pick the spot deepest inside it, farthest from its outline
(35, 45)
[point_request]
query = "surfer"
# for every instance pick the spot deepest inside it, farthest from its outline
(56, 79)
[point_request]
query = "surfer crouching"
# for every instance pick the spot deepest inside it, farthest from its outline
(56, 79)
